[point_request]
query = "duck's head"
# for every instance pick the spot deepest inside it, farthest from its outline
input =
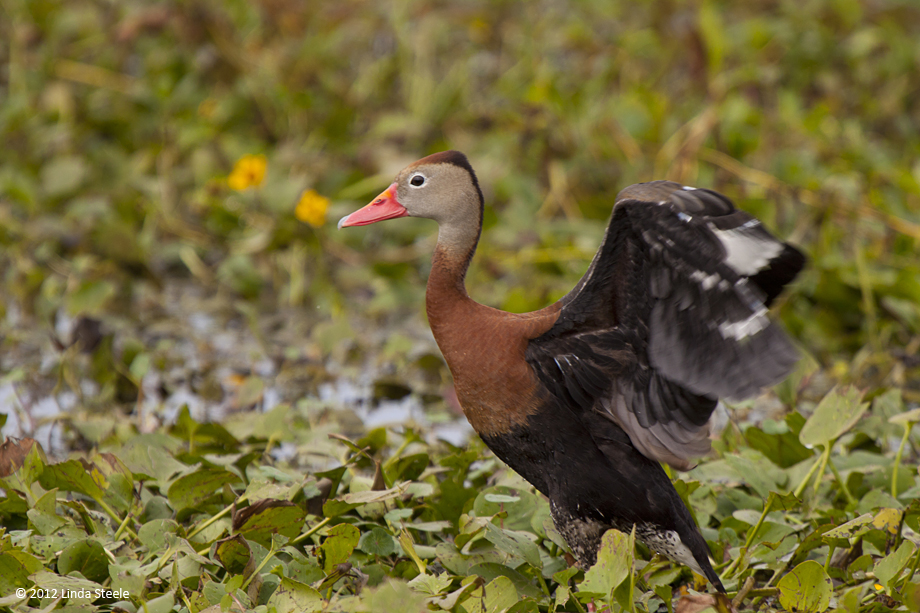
(442, 187)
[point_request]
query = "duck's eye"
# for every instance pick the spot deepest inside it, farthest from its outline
(417, 181)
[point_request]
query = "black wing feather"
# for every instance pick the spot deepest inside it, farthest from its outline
(670, 316)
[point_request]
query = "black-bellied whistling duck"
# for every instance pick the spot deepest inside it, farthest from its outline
(585, 397)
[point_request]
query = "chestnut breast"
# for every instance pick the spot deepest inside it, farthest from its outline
(484, 349)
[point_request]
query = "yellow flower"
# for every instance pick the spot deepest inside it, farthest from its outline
(311, 208)
(249, 171)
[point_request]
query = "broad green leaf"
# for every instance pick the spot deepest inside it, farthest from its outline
(806, 588)
(378, 542)
(515, 543)
(161, 604)
(15, 568)
(758, 472)
(234, 554)
(519, 504)
(393, 595)
(49, 580)
(88, 557)
(908, 417)
(152, 455)
(75, 476)
(432, 585)
(194, 488)
(834, 415)
(295, 597)
(891, 565)
(339, 544)
(522, 583)
(614, 563)
(45, 523)
(263, 518)
(449, 601)
(153, 534)
(497, 596)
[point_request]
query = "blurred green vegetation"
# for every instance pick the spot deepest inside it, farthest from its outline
(121, 122)
(134, 136)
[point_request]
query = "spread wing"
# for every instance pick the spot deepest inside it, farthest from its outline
(670, 316)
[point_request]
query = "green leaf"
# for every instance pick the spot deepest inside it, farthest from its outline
(522, 583)
(234, 554)
(497, 596)
(614, 563)
(339, 544)
(432, 585)
(88, 557)
(806, 589)
(49, 580)
(15, 568)
(501, 498)
(161, 604)
(153, 534)
(266, 517)
(194, 488)
(378, 542)
(75, 476)
(295, 597)
(837, 412)
(394, 595)
(889, 568)
(516, 543)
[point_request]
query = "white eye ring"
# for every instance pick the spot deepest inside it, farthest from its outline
(417, 180)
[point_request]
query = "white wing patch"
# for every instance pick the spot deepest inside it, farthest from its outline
(747, 254)
(746, 327)
(706, 281)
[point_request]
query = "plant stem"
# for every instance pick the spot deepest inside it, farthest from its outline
(209, 521)
(897, 460)
(843, 486)
(310, 532)
(801, 486)
(824, 458)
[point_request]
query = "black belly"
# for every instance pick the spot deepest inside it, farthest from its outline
(594, 477)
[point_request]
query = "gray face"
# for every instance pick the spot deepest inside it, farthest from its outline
(443, 192)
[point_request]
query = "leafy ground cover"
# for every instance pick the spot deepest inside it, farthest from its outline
(214, 372)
